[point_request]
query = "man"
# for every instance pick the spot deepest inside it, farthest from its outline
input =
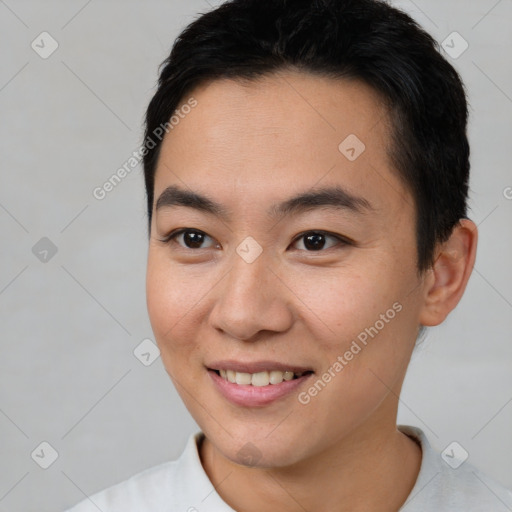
(307, 219)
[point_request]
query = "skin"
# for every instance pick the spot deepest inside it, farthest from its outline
(248, 146)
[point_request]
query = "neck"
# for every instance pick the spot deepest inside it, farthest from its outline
(372, 469)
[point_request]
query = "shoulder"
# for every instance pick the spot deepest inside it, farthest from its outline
(147, 490)
(447, 482)
(160, 488)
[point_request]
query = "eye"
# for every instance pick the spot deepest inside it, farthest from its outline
(313, 241)
(190, 238)
(316, 240)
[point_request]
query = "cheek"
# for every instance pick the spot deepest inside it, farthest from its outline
(367, 320)
(172, 300)
(344, 301)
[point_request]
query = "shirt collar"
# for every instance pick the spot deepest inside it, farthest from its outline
(204, 497)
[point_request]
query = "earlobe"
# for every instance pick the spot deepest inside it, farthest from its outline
(450, 273)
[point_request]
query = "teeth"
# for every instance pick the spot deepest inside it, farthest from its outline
(276, 377)
(242, 378)
(258, 379)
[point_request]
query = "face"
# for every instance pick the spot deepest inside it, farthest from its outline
(300, 257)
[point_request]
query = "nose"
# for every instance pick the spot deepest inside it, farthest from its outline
(252, 299)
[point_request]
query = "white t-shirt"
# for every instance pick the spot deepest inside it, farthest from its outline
(183, 486)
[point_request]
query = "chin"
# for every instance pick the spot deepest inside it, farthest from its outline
(253, 446)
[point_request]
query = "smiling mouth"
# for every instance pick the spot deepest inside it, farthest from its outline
(259, 379)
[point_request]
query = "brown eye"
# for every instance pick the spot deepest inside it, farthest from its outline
(319, 240)
(193, 239)
(190, 238)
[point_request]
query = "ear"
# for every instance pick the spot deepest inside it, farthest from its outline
(447, 279)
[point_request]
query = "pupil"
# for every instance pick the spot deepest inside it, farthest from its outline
(314, 241)
(193, 239)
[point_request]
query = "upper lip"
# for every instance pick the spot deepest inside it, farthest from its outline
(256, 366)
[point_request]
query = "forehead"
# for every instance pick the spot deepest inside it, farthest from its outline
(282, 133)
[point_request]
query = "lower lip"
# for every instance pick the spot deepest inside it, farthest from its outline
(252, 396)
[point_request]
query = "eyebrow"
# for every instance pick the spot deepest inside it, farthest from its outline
(333, 197)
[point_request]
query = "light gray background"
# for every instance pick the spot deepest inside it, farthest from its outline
(69, 326)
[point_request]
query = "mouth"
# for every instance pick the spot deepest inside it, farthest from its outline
(259, 379)
(257, 384)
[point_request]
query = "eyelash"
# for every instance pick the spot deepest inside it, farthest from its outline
(342, 241)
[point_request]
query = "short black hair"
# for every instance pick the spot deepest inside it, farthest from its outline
(366, 40)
